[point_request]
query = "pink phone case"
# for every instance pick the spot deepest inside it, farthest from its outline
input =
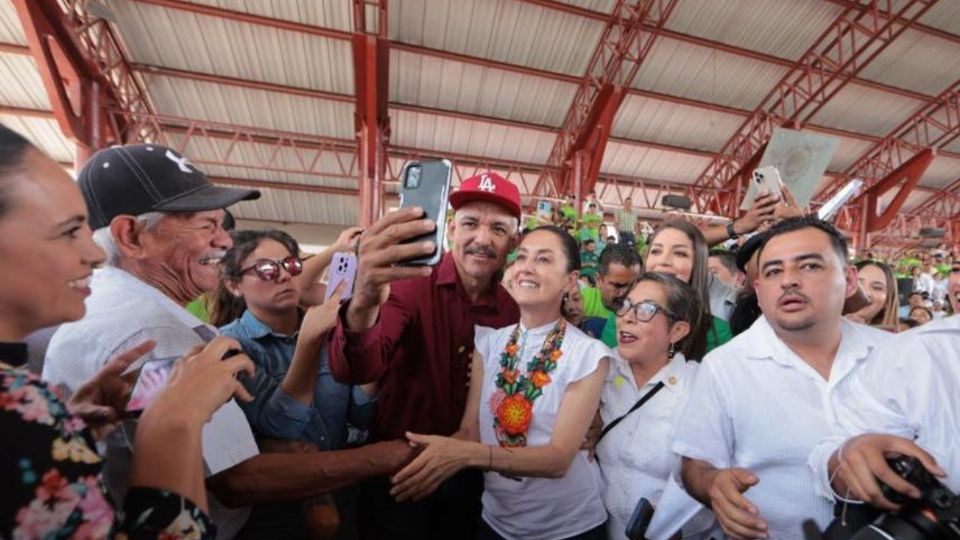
(343, 267)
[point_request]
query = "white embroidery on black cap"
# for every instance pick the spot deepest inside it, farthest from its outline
(106, 164)
(149, 149)
(181, 161)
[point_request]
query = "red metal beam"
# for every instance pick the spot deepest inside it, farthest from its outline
(621, 50)
(13, 48)
(371, 61)
(904, 178)
(935, 125)
(83, 69)
(848, 44)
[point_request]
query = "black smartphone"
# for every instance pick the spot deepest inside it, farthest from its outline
(427, 184)
(640, 520)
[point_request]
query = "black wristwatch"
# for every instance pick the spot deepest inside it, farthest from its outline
(730, 232)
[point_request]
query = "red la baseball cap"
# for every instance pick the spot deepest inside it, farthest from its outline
(490, 187)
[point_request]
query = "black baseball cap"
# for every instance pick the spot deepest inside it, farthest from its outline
(140, 178)
(749, 247)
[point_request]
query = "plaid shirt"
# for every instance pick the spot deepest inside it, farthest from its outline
(626, 220)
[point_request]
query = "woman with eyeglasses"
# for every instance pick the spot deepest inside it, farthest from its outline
(534, 389)
(51, 474)
(659, 327)
(258, 304)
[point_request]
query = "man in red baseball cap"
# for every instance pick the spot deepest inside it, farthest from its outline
(412, 331)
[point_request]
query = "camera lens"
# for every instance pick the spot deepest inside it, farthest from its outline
(412, 180)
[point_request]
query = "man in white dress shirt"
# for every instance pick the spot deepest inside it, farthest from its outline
(761, 402)
(160, 222)
(905, 400)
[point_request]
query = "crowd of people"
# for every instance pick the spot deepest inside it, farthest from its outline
(196, 380)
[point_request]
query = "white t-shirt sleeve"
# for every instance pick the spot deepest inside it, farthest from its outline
(484, 338)
(705, 430)
(589, 357)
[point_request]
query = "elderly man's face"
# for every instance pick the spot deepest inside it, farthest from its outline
(183, 253)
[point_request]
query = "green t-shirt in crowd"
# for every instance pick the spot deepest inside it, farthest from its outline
(588, 264)
(568, 212)
(199, 309)
(593, 304)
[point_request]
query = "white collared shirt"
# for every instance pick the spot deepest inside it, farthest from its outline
(757, 405)
(122, 312)
(635, 457)
(909, 388)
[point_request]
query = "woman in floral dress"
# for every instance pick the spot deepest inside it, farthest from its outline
(50, 471)
(534, 389)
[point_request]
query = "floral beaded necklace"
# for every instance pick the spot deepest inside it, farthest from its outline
(512, 403)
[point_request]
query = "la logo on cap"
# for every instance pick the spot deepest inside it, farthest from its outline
(486, 184)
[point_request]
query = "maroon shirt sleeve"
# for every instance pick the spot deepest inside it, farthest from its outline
(362, 357)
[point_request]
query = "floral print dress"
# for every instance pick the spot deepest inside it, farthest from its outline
(50, 473)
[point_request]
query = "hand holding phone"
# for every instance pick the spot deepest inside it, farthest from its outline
(426, 185)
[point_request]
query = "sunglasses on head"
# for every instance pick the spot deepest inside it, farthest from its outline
(644, 311)
(269, 269)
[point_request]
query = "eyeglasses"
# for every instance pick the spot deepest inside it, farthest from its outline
(643, 311)
(269, 269)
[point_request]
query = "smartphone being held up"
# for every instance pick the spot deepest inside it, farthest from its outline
(343, 268)
(426, 184)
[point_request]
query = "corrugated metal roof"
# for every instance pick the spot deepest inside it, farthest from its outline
(417, 130)
(509, 31)
(326, 13)
(45, 134)
(683, 69)
(447, 84)
(864, 110)
(943, 15)
(758, 25)
(602, 6)
(249, 107)
(182, 40)
(670, 123)
(897, 65)
(628, 160)
(941, 172)
(22, 86)
(10, 29)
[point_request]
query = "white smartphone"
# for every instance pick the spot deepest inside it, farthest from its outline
(764, 180)
(343, 267)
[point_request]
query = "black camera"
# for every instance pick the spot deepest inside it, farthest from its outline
(935, 515)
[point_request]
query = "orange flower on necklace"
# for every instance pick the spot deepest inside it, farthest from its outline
(539, 379)
(556, 354)
(509, 376)
(514, 414)
(512, 349)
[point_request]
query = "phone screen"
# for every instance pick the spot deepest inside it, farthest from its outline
(153, 377)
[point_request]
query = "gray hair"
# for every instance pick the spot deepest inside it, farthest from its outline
(104, 238)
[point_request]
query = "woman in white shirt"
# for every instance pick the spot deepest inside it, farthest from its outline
(659, 327)
(534, 388)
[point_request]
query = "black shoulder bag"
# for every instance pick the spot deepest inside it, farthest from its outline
(646, 397)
